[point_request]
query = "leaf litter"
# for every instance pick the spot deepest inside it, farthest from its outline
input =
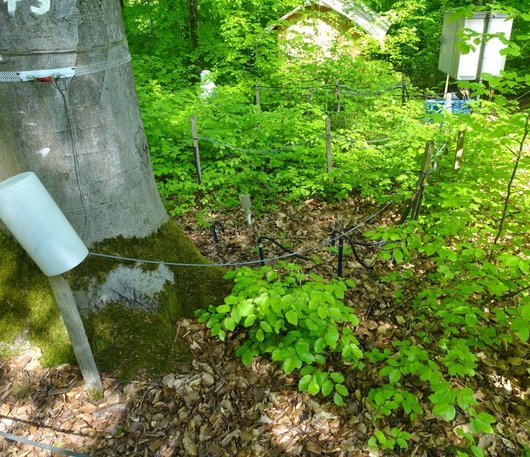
(215, 406)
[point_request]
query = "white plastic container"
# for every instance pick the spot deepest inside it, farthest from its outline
(29, 212)
(486, 57)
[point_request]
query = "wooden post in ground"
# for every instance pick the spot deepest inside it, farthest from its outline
(459, 149)
(337, 95)
(257, 100)
(329, 157)
(426, 168)
(402, 89)
(72, 321)
(196, 149)
(310, 95)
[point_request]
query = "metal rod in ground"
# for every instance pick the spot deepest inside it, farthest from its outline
(329, 156)
(459, 149)
(261, 254)
(215, 235)
(72, 321)
(197, 153)
(340, 257)
(256, 94)
(426, 168)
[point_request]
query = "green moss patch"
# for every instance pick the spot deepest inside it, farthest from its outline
(124, 341)
(127, 341)
(194, 287)
(27, 307)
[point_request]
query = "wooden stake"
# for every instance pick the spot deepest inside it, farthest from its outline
(459, 149)
(426, 168)
(72, 321)
(196, 149)
(337, 94)
(329, 156)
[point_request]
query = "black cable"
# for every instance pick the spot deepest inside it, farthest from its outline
(281, 246)
(73, 139)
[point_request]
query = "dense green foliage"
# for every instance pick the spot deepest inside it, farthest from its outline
(459, 271)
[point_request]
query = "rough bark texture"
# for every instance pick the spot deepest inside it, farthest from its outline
(82, 136)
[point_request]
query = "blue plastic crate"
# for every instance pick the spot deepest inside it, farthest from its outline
(438, 105)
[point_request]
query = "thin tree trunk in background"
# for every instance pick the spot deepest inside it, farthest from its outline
(518, 156)
(194, 24)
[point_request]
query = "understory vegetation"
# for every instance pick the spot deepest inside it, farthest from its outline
(286, 132)
(459, 268)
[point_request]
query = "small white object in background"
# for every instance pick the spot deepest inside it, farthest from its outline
(246, 204)
(207, 85)
(35, 220)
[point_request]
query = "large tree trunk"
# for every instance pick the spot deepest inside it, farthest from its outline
(81, 135)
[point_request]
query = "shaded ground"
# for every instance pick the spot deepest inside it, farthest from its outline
(217, 407)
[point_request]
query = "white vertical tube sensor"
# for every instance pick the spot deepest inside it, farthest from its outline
(246, 204)
(35, 220)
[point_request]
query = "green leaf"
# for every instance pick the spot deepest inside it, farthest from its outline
(248, 357)
(332, 336)
(402, 443)
(341, 390)
(291, 317)
(313, 388)
(322, 312)
(448, 412)
(223, 309)
(249, 321)
(266, 327)
(522, 328)
(327, 387)
(320, 345)
(302, 349)
(482, 422)
(337, 399)
(289, 365)
(229, 324)
(394, 376)
(398, 255)
(337, 377)
(303, 384)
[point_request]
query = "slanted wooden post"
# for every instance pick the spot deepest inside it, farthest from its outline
(426, 168)
(329, 156)
(72, 321)
(197, 153)
(459, 149)
(337, 95)
(256, 94)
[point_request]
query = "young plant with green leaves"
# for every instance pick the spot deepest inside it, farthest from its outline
(297, 320)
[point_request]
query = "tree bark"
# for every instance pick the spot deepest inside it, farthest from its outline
(81, 135)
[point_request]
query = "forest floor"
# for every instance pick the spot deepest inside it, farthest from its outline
(215, 406)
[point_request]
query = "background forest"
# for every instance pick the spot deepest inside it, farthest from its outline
(380, 301)
(460, 305)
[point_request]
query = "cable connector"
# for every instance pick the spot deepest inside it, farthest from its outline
(46, 75)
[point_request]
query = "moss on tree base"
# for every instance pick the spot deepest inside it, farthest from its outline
(124, 340)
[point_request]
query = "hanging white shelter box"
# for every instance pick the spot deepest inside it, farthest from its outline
(485, 56)
(35, 220)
